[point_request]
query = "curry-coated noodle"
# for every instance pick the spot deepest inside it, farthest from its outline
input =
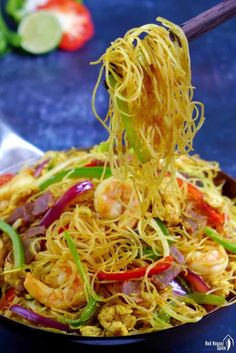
(133, 236)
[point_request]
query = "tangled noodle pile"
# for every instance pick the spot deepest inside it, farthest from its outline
(134, 235)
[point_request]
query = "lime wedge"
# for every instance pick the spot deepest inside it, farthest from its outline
(40, 32)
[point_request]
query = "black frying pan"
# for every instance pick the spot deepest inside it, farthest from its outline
(30, 339)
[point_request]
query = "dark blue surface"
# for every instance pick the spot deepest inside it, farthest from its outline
(48, 101)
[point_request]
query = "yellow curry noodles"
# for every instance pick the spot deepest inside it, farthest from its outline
(133, 236)
(144, 271)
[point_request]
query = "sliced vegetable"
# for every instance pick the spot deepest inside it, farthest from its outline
(192, 190)
(5, 178)
(65, 200)
(17, 245)
(76, 257)
(88, 311)
(75, 21)
(7, 298)
(90, 308)
(183, 284)
(163, 316)
(40, 167)
(139, 272)
(214, 218)
(149, 253)
(164, 231)
(196, 282)
(40, 31)
(81, 172)
(211, 299)
(38, 319)
(162, 226)
(139, 148)
(227, 244)
(95, 163)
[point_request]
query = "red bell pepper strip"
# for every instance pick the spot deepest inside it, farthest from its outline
(214, 218)
(95, 163)
(139, 272)
(76, 22)
(5, 178)
(7, 298)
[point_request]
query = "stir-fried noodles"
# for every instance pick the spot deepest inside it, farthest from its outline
(134, 235)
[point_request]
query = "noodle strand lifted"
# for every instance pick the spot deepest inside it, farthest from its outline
(151, 110)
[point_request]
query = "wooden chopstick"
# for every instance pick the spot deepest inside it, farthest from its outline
(209, 19)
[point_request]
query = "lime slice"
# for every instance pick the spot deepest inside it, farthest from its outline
(40, 32)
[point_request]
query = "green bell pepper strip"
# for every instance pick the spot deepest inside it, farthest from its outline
(228, 245)
(18, 249)
(83, 172)
(87, 313)
(135, 143)
(163, 229)
(76, 257)
(184, 284)
(163, 316)
(201, 298)
(149, 253)
(91, 306)
(162, 226)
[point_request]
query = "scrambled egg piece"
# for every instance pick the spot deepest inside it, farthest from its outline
(169, 198)
(117, 320)
(91, 331)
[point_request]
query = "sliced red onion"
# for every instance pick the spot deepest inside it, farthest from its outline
(177, 288)
(39, 168)
(197, 283)
(38, 319)
(65, 200)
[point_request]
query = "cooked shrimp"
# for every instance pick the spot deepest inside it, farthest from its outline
(59, 298)
(210, 261)
(114, 198)
(117, 319)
